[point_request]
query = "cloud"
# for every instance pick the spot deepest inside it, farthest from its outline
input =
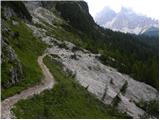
(146, 7)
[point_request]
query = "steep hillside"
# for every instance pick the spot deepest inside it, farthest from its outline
(20, 50)
(132, 54)
(86, 61)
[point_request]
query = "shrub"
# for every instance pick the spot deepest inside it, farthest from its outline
(74, 57)
(116, 100)
(124, 87)
(63, 45)
(75, 48)
(150, 107)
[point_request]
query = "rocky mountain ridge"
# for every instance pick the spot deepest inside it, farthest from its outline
(126, 21)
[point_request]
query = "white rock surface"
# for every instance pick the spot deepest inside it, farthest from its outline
(96, 76)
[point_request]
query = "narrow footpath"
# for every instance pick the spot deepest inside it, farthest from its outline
(47, 83)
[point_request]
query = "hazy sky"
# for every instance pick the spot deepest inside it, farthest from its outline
(150, 8)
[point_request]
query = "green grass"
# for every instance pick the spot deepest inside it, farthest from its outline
(27, 48)
(67, 33)
(66, 100)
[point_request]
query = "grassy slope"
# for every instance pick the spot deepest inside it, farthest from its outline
(27, 48)
(66, 100)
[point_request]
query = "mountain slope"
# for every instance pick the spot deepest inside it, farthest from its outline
(20, 50)
(81, 46)
(152, 32)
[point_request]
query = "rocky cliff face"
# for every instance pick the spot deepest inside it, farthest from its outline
(15, 9)
(12, 71)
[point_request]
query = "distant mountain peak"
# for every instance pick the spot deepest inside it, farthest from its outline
(107, 14)
(126, 20)
(126, 10)
(106, 10)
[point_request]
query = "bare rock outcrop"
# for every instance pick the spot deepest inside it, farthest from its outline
(12, 65)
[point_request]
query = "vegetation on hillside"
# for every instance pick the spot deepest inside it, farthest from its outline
(27, 48)
(66, 100)
(19, 9)
(151, 108)
(125, 52)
